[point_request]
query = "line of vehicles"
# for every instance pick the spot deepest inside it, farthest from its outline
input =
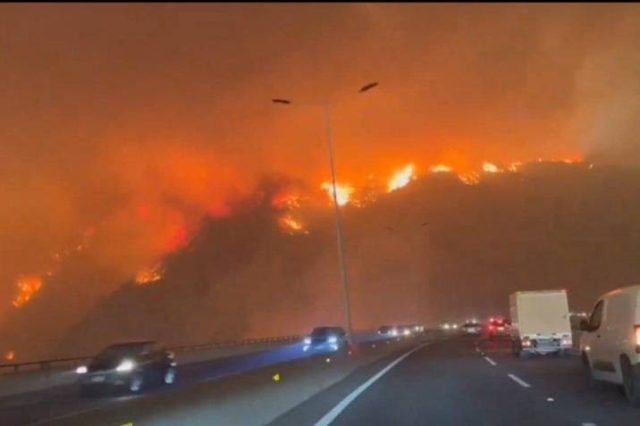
(132, 366)
(400, 330)
(539, 323)
(335, 338)
(608, 338)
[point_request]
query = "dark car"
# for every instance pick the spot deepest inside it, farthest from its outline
(388, 330)
(326, 338)
(130, 366)
(499, 328)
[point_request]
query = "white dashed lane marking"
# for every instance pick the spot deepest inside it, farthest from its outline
(519, 381)
(490, 361)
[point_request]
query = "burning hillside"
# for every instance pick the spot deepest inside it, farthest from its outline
(279, 241)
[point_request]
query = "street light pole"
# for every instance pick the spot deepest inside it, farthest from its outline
(339, 235)
(339, 232)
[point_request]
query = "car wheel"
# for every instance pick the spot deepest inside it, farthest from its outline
(169, 376)
(630, 381)
(136, 382)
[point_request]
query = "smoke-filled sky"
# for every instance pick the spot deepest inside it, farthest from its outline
(121, 125)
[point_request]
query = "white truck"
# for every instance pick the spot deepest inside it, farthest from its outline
(540, 322)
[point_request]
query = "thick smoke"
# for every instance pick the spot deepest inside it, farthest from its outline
(121, 126)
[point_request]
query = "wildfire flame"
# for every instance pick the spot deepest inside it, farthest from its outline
(401, 178)
(291, 226)
(513, 167)
(490, 168)
(343, 192)
(150, 275)
(441, 168)
(285, 201)
(28, 286)
(470, 178)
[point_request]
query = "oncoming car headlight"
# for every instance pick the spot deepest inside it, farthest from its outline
(82, 369)
(125, 366)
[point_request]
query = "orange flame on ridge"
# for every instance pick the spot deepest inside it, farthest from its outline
(28, 286)
(291, 226)
(343, 192)
(150, 275)
(441, 168)
(401, 178)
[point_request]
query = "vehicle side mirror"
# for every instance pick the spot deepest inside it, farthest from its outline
(584, 325)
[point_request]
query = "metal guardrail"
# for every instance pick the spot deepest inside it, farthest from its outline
(78, 360)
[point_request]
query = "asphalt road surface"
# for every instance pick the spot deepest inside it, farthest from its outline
(38, 407)
(462, 380)
(466, 381)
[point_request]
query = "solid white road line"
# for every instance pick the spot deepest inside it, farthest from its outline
(519, 381)
(490, 361)
(335, 411)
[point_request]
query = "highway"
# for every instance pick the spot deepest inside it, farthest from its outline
(64, 402)
(464, 381)
(451, 380)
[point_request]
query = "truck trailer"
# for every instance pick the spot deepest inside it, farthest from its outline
(540, 322)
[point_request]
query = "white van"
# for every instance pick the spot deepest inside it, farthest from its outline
(540, 322)
(610, 341)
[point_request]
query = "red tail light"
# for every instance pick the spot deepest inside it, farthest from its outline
(491, 327)
(637, 338)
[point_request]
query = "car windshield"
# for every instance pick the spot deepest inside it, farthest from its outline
(122, 351)
(324, 331)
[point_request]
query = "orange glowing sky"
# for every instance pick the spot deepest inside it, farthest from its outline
(136, 120)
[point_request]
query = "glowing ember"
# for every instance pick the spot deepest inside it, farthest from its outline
(291, 226)
(10, 356)
(576, 160)
(343, 192)
(150, 275)
(470, 178)
(441, 168)
(27, 287)
(284, 200)
(490, 168)
(402, 178)
(513, 167)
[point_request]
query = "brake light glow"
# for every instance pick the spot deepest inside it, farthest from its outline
(637, 335)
